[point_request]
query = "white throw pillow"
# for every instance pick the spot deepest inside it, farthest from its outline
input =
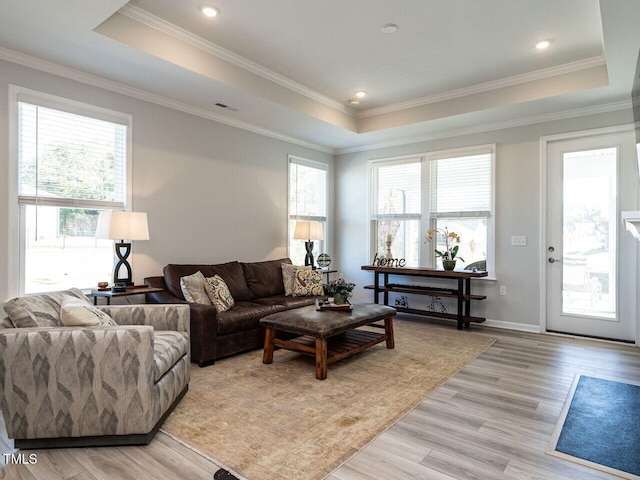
(192, 287)
(289, 276)
(75, 312)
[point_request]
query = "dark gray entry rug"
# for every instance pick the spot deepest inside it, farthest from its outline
(601, 427)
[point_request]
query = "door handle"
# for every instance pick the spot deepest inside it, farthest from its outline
(554, 260)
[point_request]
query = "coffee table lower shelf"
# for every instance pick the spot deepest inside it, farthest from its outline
(331, 349)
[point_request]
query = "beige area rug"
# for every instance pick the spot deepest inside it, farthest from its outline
(268, 422)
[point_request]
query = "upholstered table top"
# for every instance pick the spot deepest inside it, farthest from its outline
(322, 324)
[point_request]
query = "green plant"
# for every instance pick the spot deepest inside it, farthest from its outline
(450, 252)
(339, 286)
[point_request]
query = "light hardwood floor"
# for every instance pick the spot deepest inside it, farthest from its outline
(493, 420)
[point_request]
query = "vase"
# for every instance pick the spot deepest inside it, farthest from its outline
(449, 264)
(339, 298)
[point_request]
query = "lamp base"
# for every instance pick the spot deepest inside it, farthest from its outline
(308, 258)
(123, 250)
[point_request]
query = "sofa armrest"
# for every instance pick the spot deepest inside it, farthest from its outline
(204, 327)
(75, 381)
(160, 297)
(160, 317)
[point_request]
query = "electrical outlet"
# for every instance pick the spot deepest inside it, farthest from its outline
(518, 241)
(503, 289)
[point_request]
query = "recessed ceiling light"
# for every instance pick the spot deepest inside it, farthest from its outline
(361, 94)
(209, 11)
(542, 44)
(354, 102)
(390, 28)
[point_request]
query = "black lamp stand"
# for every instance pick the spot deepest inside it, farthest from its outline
(123, 250)
(308, 258)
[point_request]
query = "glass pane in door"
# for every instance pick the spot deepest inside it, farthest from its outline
(589, 233)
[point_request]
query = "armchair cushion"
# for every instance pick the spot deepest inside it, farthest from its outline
(168, 348)
(39, 310)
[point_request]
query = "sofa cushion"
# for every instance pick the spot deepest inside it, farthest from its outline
(245, 316)
(193, 289)
(308, 282)
(218, 293)
(77, 312)
(287, 301)
(231, 272)
(39, 310)
(264, 279)
(289, 275)
(168, 348)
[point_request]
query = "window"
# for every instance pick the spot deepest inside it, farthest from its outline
(396, 209)
(71, 164)
(461, 201)
(307, 202)
(452, 190)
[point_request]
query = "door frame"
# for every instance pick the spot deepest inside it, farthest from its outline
(542, 257)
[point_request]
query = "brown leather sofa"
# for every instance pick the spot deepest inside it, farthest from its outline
(257, 289)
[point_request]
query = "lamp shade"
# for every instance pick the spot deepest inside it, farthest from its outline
(308, 231)
(122, 225)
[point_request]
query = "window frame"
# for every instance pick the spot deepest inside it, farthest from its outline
(426, 254)
(374, 217)
(17, 220)
(322, 245)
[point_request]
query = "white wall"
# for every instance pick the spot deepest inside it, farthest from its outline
(212, 192)
(518, 199)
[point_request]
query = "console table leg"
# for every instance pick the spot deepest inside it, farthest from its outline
(321, 358)
(460, 303)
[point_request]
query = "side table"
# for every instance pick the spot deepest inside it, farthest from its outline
(327, 272)
(108, 294)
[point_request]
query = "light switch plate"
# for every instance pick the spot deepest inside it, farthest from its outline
(518, 241)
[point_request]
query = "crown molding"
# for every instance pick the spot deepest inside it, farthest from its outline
(520, 122)
(122, 89)
(487, 86)
(153, 21)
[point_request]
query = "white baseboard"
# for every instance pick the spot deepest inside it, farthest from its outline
(521, 327)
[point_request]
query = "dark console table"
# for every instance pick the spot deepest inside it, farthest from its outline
(462, 292)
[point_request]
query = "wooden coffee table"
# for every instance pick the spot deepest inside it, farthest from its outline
(328, 335)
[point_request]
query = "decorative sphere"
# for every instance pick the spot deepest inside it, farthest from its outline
(324, 260)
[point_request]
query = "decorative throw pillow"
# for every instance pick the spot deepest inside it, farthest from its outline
(219, 293)
(75, 312)
(40, 310)
(192, 287)
(289, 275)
(308, 282)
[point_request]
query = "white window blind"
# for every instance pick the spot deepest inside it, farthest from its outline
(396, 188)
(461, 186)
(67, 160)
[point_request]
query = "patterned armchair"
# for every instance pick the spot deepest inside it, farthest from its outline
(63, 386)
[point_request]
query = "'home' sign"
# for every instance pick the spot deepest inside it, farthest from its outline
(388, 262)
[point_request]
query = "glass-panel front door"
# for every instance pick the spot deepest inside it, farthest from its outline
(590, 259)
